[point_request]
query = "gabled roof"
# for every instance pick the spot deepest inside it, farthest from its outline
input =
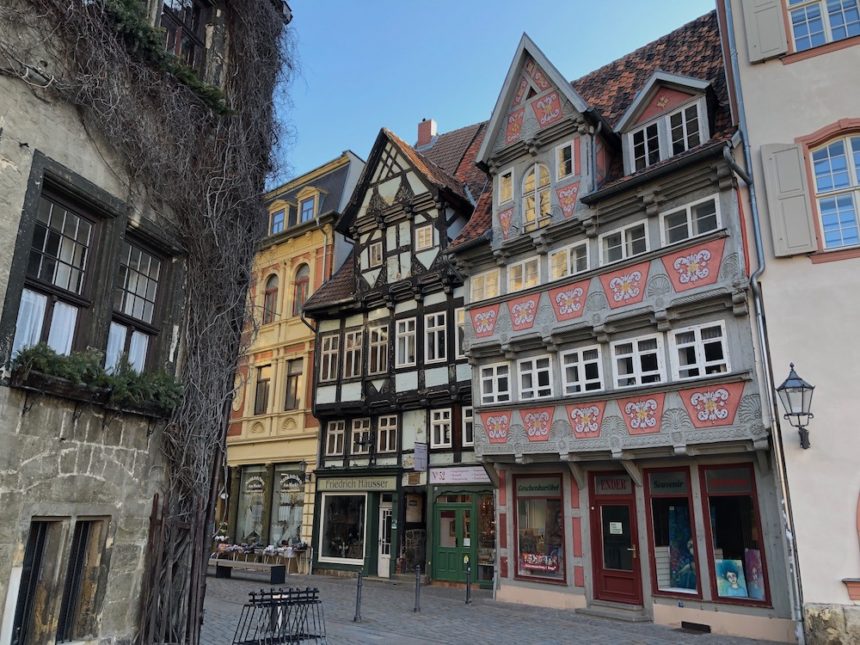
(659, 78)
(480, 222)
(437, 175)
(455, 153)
(340, 288)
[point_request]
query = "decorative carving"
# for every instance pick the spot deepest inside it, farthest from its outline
(730, 269)
(596, 302)
(658, 285)
(626, 286)
(404, 193)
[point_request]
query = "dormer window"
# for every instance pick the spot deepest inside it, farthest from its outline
(646, 147)
(536, 197)
(307, 209)
(668, 135)
(684, 125)
(277, 222)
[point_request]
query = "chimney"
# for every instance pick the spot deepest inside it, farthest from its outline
(426, 132)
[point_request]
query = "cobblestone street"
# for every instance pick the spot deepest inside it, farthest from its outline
(388, 617)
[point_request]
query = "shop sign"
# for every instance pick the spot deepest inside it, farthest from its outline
(613, 485)
(464, 475)
(291, 483)
(254, 485)
(325, 484)
(539, 487)
(725, 481)
(419, 462)
(668, 483)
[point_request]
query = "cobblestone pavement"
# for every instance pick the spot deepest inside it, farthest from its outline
(388, 617)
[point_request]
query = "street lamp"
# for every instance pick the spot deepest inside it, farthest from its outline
(796, 397)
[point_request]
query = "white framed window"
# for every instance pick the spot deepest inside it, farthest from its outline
(435, 338)
(699, 351)
(377, 351)
(684, 130)
(646, 146)
(460, 323)
(495, 383)
(564, 160)
(375, 254)
(361, 436)
(569, 260)
(424, 237)
(814, 22)
(484, 285)
(352, 353)
(404, 354)
(667, 135)
(307, 208)
(440, 428)
(329, 357)
(692, 220)
(537, 194)
(581, 370)
(522, 275)
(836, 166)
(386, 434)
(638, 361)
(334, 433)
(535, 376)
(468, 426)
(624, 243)
(506, 186)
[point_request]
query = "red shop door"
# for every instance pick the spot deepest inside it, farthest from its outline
(615, 540)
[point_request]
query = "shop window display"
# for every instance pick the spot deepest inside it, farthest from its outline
(486, 538)
(673, 537)
(540, 528)
(249, 523)
(342, 535)
(288, 494)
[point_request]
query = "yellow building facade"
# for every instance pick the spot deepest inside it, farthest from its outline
(273, 438)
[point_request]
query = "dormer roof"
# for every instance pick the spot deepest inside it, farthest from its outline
(657, 80)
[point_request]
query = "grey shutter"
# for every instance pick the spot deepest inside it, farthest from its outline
(765, 28)
(788, 199)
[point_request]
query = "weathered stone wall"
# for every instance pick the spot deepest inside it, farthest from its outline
(832, 624)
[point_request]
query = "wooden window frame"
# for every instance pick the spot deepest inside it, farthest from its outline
(523, 266)
(581, 382)
(406, 334)
(495, 395)
(636, 355)
(438, 421)
(698, 346)
(335, 435)
(623, 231)
(535, 372)
(270, 299)
(329, 357)
(568, 251)
(436, 336)
(691, 221)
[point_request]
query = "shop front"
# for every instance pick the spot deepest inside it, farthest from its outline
(267, 504)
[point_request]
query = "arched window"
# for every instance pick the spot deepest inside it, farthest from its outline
(270, 299)
(300, 293)
(536, 197)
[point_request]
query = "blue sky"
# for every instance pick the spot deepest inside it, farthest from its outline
(389, 63)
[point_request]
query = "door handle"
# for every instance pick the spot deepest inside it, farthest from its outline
(633, 549)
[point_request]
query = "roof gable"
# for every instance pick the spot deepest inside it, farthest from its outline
(661, 93)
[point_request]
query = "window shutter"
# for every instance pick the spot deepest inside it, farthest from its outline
(788, 200)
(765, 28)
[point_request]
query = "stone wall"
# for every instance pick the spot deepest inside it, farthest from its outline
(832, 624)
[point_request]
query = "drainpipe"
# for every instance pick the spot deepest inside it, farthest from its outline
(792, 562)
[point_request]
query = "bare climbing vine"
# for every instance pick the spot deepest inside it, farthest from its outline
(203, 166)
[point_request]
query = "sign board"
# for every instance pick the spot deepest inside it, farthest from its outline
(539, 487)
(326, 484)
(615, 528)
(613, 485)
(460, 475)
(420, 457)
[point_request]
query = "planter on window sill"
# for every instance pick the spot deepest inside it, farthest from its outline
(34, 381)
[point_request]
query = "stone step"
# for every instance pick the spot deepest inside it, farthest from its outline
(615, 611)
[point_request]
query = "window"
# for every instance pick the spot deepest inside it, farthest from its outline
(301, 288)
(484, 285)
(495, 383)
(539, 528)
(292, 214)
(570, 260)
(699, 351)
(646, 147)
(292, 400)
(837, 190)
(261, 394)
(811, 29)
(184, 23)
(386, 435)
(523, 275)
(440, 428)
(732, 519)
(460, 322)
(134, 308)
(692, 220)
(506, 186)
(361, 439)
(668, 135)
(581, 370)
(684, 129)
(334, 438)
(535, 378)
(77, 616)
(249, 519)
(536, 197)
(352, 354)
(343, 521)
(468, 426)
(673, 537)
(306, 207)
(424, 237)
(375, 251)
(330, 348)
(638, 361)
(377, 359)
(435, 341)
(270, 300)
(405, 348)
(564, 160)
(288, 493)
(277, 224)
(624, 243)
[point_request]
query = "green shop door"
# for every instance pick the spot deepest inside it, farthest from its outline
(453, 541)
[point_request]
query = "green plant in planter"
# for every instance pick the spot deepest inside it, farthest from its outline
(131, 388)
(80, 368)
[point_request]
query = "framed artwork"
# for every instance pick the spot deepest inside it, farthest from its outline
(755, 576)
(730, 579)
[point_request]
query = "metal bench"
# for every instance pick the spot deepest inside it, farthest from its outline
(224, 569)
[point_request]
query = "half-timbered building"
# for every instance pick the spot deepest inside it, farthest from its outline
(616, 400)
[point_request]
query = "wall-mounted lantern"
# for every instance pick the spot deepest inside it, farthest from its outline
(796, 397)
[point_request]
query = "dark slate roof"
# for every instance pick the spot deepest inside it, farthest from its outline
(330, 185)
(339, 288)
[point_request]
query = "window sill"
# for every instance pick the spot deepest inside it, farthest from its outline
(835, 255)
(826, 48)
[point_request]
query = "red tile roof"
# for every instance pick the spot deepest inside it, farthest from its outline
(338, 288)
(434, 173)
(480, 222)
(455, 152)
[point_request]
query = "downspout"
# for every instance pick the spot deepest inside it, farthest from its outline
(792, 561)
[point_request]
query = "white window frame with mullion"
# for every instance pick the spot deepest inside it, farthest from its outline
(334, 440)
(377, 348)
(559, 160)
(460, 330)
(352, 345)
(659, 132)
(695, 352)
(479, 282)
(405, 342)
(575, 367)
(441, 428)
(435, 337)
(489, 378)
(538, 371)
(637, 373)
(692, 221)
(502, 198)
(423, 231)
(571, 258)
(844, 195)
(468, 426)
(519, 274)
(386, 433)
(794, 9)
(360, 430)
(626, 243)
(329, 357)
(541, 196)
